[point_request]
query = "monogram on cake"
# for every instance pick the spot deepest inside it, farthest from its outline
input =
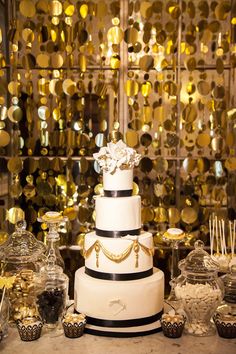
(119, 290)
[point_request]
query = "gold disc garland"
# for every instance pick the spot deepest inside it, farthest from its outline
(66, 60)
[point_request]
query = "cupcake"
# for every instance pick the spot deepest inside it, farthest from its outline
(29, 328)
(225, 325)
(73, 325)
(172, 325)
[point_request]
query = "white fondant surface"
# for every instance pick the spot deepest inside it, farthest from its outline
(120, 180)
(118, 214)
(117, 246)
(119, 300)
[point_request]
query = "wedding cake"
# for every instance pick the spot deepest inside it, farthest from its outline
(118, 290)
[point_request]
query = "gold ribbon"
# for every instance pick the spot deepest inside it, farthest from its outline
(148, 251)
(118, 258)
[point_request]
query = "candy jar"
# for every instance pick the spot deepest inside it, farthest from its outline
(229, 281)
(225, 316)
(4, 313)
(22, 257)
(51, 300)
(199, 289)
(21, 251)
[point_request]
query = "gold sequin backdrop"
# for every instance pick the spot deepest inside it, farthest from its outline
(160, 73)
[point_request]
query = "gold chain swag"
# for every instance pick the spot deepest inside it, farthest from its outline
(118, 258)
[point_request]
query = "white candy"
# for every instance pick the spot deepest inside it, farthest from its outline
(190, 330)
(197, 299)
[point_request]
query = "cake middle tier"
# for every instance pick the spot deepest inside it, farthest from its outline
(124, 258)
(117, 217)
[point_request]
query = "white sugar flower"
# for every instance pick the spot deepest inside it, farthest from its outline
(117, 155)
(118, 150)
(101, 154)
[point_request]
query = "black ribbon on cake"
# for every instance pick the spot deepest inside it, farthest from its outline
(97, 332)
(118, 194)
(124, 323)
(118, 276)
(116, 234)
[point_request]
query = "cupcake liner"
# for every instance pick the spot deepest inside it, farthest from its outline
(29, 332)
(172, 329)
(73, 330)
(225, 329)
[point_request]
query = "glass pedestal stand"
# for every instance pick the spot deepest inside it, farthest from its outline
(53, 219)
(174, 236)
(52, 300)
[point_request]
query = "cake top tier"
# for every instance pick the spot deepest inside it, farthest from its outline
(117, 156)
(117, 161)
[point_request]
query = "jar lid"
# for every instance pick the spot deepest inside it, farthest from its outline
(198, 261)
(21, 246)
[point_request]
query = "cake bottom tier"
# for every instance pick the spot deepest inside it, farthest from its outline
(120, 308)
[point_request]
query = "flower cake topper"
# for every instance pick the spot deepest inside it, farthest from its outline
(117, 156)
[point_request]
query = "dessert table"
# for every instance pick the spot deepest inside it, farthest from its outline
(56, 342)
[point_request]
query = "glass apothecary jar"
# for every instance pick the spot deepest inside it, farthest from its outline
(229, 281)
(199, 289)
(51, 301)
(21, 251)
(4, 313)
(22, 257)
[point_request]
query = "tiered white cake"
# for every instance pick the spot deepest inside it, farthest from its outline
(118, 289)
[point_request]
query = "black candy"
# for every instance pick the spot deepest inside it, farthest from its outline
(50, 305)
